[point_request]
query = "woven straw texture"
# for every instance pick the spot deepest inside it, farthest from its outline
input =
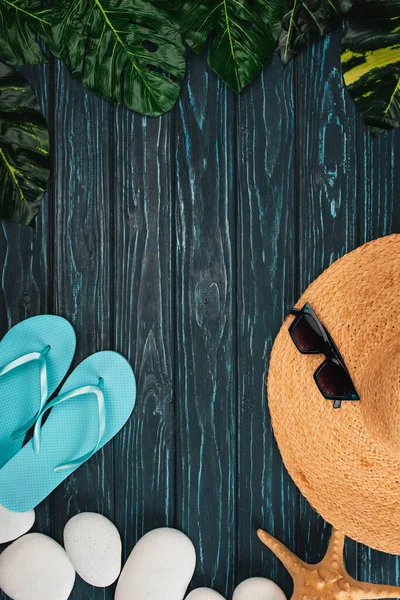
(346, 461)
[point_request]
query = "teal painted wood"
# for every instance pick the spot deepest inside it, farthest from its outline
(24, 267)
(36, 293)
(143, 320)
(82, 251)
(328, 204)
(266, 272)
(379, 193)
(182, 242)
(380, 215)
(206, 424)
(349, 186)
(24, 252)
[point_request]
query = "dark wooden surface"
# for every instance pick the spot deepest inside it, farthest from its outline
(182, 242)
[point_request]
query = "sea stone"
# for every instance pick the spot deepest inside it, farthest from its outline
(258, 588)
(204, 594)
(14, 524)
(94, 548)
(159, 567)
(35, 567)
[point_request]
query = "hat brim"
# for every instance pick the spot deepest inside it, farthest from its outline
(346, 461)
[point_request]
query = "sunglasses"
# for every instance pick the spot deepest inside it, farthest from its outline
(310, 337)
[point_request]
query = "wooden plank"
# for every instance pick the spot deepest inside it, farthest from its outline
(143, 308)
(24, 252)
(205, 321)
(328, 203)
(24, 263)
(83, 246)
(379, 184)
(266, 271)
(144, 248)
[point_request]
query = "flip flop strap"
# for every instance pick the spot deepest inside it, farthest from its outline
(19, 362)
(81, 391)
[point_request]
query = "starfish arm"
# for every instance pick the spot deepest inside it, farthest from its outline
(334, 553)
(292, 563)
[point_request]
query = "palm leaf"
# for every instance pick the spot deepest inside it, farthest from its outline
(21, 24)
(24, 149)
(307, 20)
(246, 32)
(371, 61)
(125, 50)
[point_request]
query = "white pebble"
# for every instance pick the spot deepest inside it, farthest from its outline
(258, 588)
(159, 567)
(35, 567)
(14, 524)
(204, 594)
(94, 548)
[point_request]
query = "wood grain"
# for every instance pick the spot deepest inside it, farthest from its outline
(143, 313)
(24, 251)
(82, 250)
(24, 265)
(182, 242)
(205, 321)
(379, 183)
(378, 189)
(328, 207)
(266, 272)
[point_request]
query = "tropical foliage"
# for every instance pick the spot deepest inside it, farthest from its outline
(244, 34)
(307, 20)
(126, 50)
(24, 149)
(134, 52)
(371, 62)
(21, 24)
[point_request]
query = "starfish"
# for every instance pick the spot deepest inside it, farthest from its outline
(328, 578)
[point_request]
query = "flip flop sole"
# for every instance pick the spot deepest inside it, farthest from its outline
(70, 431)
(20, 388)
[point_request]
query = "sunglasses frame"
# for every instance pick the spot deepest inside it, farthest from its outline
(330, 351)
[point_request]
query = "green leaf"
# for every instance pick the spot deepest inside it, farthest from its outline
(246, 33)
(125, 50)
(307, 20)
(371, 61)
(21, 22)
(24, 149)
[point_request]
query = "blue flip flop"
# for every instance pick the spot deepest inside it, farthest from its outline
(35, 356)
(92, 406)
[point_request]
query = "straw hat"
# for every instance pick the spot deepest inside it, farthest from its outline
(346, 461)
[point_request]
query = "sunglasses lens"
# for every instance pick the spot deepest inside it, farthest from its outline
(307, 335)
(333, 380)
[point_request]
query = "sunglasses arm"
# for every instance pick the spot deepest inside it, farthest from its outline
(295, 312)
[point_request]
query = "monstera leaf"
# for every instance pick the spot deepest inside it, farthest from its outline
(307, 20)
(246, 33)
(126, 50)
(371, 61)
(21, 22)
(24, 149)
